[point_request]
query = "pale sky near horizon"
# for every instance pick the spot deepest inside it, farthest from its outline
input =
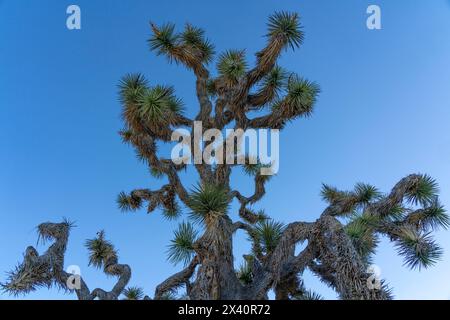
(383, 113)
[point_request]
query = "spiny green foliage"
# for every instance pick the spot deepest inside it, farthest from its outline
(285, 25)
(100, 250)
(308, 295)
(424, 192)
(245, 274)
(25, 279)
(189, 46)
(253, 167)
(133, 293)
(195, 38)
(164, 41)
(434, 217)
(396, 214)
(419, 250)
(208, 201)
(156, 173)
(128, 203)
(181, 248)
(131, 87)
(362, 235)
(172, 213)
(232, 65)
(169, 295)
(353, 201)
(331, 194)
(275, 79)
(211, 88)
(272, 85)
(366, 193)
(49, 231)
(269, 233)
(301, 97)
(158, 104)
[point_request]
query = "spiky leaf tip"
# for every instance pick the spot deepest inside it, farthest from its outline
(128, 202)
(131, 87)
(133, 293)
(308, 295)
(433, 217)
(331, 194)
(365, 193)
(208, 201)
(363, 238)
(159, 105)
(424, 191)
(181, 248)
(269, 233)
(245, 274)
(164, 39)
(156, 173)
(276, 79)
(194, 37)
(232, 65)
(100, 250)
(172, 213)
(253, 167)
(286, 26)
(419, 250)
(302, 96)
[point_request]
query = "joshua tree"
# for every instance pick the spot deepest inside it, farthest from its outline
(338, 246)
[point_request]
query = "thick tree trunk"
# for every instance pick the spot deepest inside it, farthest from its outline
(216, 277)
(345, 269)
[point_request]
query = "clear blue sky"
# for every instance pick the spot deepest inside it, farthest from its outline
(384, 113)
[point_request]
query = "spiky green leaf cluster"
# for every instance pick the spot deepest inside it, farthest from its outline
(253, 167)
(194, 37)
(232, 65)
(419, 250)
(366, 193)
(159, 104)
(302, 96)
(169, 295)
(424, 192)
(181, 248)
(362, 235)
(131, 87)
(245, 274)
(211, 88)
(331, 194)
(435, 217)
(156, 173)
(128, 203)
(275, 79)
(208, 201)
(269, 233)
(272, 85)
(165, 40)
(307, 295)
(100, 250)
(189, 46)
(133, 293)
(286, 26)
(172, 213)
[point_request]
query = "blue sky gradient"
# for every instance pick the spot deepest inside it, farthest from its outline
(383, 113)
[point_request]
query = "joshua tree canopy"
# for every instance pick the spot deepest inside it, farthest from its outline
(338, 246)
